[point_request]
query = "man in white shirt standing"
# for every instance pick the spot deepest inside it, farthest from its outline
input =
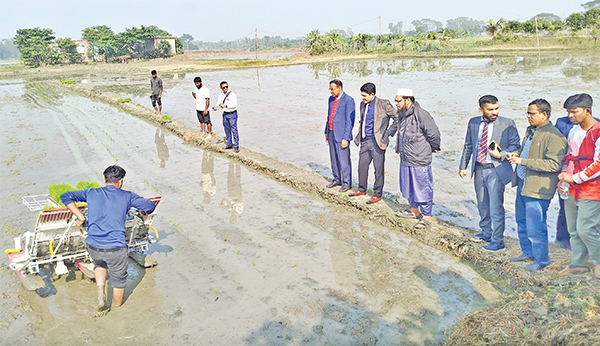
(228, 101)
(202, 96)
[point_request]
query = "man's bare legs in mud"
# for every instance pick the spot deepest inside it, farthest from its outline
(118, 293)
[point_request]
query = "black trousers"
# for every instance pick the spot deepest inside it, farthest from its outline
(370, 152)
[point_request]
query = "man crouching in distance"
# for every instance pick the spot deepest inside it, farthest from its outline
(418, 137)
(107, 211)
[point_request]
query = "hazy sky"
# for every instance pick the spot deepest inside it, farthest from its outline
(233, 19)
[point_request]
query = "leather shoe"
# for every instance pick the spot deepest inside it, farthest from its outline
(345, 188)
(479, 238)
(227, 147)
(521, 258)
(332, 184)
(494, 247)
(374, 200)
(533, 267)
(358, 193)
(236, 150)
(575, 270)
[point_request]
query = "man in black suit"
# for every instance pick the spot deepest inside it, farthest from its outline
(375, 116)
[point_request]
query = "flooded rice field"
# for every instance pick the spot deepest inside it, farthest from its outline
(282, 110)
(243, 260)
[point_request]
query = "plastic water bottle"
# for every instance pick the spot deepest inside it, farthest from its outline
(565, 186)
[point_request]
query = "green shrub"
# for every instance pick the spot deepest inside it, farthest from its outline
(84, 185)
(56, 190)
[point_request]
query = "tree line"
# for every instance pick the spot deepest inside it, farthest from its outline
(265, 42)
(39, 47)
(427, 29)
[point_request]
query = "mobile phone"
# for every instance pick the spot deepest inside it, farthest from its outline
(494, 145)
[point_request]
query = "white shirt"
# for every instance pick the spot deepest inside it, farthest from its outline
(488, 158)
(201, 95)
(230, 103)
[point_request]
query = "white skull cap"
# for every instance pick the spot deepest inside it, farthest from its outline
(405, 92)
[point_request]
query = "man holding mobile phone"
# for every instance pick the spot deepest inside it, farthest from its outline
(489, 137)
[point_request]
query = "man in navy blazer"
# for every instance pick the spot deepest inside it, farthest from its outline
(490, 168)
(338, 134)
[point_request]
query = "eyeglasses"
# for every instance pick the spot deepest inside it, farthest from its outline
(225, 87)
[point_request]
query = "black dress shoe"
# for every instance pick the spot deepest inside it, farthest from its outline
(345, 188)
(227, 147)
(333, 184)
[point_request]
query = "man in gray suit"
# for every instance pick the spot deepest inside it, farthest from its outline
(375, 115)
(488, 139)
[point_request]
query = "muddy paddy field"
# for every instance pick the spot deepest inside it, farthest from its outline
(246, 260)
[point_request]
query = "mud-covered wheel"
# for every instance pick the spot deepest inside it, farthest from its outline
(31, 281)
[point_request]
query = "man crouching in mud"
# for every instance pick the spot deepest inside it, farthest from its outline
(107, 210)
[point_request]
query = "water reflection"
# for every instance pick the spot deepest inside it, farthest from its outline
(363, 69)
(572, 67)
(209, 184)
(161, 147)
(588, 72)
(234, 202)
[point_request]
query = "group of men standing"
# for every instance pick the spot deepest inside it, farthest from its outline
(227, 101)
(565, 156)
(417, 138)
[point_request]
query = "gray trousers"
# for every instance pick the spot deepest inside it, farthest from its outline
(370, 152)
(583, 222)
(489, 191)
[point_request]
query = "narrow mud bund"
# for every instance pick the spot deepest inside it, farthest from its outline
(442, 235)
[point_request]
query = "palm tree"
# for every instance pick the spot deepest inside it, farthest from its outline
(443, 37)
(362, 40)
(313, 37)
(495, 29)
(333, 38)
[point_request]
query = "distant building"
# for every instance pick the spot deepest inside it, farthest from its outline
(154, 43)
(82, 48)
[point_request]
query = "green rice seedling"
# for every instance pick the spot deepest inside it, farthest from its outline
(55, 190)
(166, 118)
(84, 185)
(66, 81)
(124, 100)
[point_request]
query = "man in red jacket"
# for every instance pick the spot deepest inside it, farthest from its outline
(582, 171)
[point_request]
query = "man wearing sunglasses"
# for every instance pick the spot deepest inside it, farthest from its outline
(228, 101)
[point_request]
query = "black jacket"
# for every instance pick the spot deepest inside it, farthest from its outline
(418, 136)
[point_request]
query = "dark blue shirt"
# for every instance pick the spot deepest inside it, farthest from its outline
(107, 210)
(370, 118)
